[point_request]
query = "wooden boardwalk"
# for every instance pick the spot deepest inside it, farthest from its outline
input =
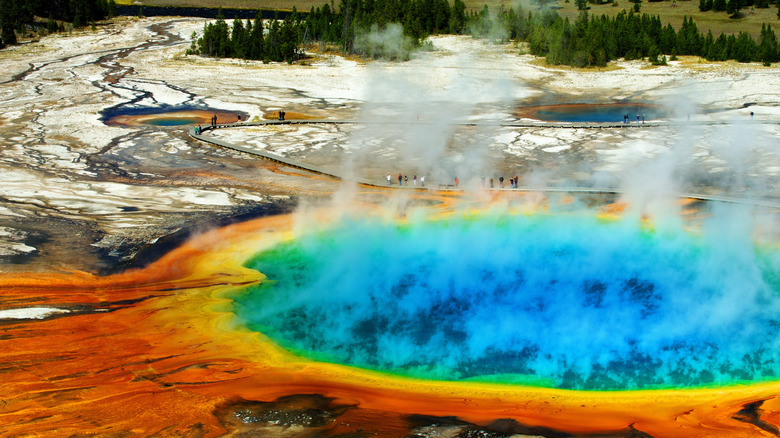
(769, 203)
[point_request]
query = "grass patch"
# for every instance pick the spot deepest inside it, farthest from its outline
(541, 62)
(716, 21)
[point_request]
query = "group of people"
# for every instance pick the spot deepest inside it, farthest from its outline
(404, 180)
(626, 118)
(281, 115)
(514, 183)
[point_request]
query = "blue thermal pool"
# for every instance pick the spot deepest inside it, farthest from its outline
(565, 301)
(163, 121)
(169, 116)
(605, 113)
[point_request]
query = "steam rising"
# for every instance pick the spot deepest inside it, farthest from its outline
(562, 300)
(388, 43)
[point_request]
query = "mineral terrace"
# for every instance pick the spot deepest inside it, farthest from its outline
(80, 193)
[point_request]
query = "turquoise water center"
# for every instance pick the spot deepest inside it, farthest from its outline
(556, 300)
(173, 121)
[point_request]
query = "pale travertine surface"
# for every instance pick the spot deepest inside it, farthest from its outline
(77, 193)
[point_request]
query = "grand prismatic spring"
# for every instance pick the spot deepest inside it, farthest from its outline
(163, 282)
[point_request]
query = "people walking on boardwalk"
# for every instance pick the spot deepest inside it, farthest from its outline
(456, 181)
(415, 180)
(491, 183)
(406, 180)
(517, 182)
(501, 181)
(400, 178)
(422, 180)
(388, 179)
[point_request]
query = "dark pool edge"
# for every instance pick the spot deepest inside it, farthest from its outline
(152, 252)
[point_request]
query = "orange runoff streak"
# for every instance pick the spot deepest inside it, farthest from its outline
(168, 352)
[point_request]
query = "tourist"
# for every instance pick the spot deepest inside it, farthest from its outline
(456, 181)
(517, 182)
(751, 115)
(406, 180)
(400, 178)
(491, 183)
(388, 180)
(637, 118)
(501, 181)
(643, 119)
(415, 180)
(422, 180)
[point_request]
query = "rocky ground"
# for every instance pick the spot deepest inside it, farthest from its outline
(80, 194)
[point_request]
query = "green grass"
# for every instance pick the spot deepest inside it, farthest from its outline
(716, 21)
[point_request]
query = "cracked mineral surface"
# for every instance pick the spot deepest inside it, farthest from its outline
(79, 193)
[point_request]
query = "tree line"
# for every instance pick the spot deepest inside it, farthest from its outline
(587, 41)
(345, 26)
(18, 16)
(594, 41)
(733, 6)
(278, 40)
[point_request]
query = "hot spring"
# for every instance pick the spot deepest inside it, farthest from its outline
(177, 116)
(570, 301)
(586, 112)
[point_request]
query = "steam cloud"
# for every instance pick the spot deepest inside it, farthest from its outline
(565, 300)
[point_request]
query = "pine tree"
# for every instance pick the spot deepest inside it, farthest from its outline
(733, 6)
(8, 15)
(256, 43)
(768, 47)
(238, 40)
(458, 16)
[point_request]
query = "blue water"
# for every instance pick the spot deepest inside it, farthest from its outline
(600, 113)
(562, 301)
(171, 122)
